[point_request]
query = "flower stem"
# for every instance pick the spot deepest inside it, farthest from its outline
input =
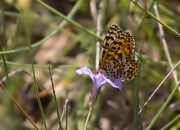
(87, 119)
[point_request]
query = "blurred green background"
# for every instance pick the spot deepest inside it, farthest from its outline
(64, 48)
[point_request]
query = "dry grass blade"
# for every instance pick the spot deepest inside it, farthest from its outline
(164, 44)
(19, 106)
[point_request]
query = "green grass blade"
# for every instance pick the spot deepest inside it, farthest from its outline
(69, 20)
(61, 25)
(165, 104)
(35, 82)
(54, 97)
(152, 16)
(166, 127)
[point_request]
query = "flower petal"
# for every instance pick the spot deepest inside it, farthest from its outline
(85, 70)
(99, 80)
(116, 83)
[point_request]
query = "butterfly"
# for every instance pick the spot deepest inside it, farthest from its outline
(117, 59)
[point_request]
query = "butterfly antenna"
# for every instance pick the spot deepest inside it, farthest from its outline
(89, 58)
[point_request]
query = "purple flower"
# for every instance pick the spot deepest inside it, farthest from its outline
(99, 79)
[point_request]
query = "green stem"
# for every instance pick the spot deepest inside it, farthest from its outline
(29, 66)
(10, 13)
(136, 108)
(35, 81)
(142, 19)
(54, 97)
(4, 62)
(61, 25)
(166, 127)
(4, 39)
(164, 63)
(87, 119)
(152, 16)
(124, 24)
(69, 20)
(163, 107)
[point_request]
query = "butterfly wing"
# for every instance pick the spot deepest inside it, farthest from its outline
(123, 45)
(117, 55)
(125, 67)
(111, 35)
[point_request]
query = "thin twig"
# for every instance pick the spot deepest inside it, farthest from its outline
(67, 101)
(64, 108)
(164, 105)
(158, 87)
(11, 74)
(165, 47)
(156, 90)
(93, 9)
(99, 32)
